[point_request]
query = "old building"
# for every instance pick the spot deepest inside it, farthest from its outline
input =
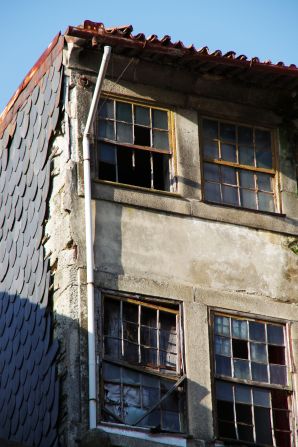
(162, 312)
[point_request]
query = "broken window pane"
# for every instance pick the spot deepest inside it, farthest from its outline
(283, 439)
(263, 426)
(276, 355)
(107, 156)
(243, 413)
(142, 136)
(131, 352)
(138, 166)
(240, 349)
(226, 430)
(225, 410)
(142, 115)
(245, 433)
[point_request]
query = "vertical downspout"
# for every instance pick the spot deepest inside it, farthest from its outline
(89, 240)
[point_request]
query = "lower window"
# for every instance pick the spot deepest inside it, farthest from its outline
(252, 387)
(142, 377)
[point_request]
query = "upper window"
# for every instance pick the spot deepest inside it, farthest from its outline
(252, 386)
(238, 166)
(134, 144)
(142, 375)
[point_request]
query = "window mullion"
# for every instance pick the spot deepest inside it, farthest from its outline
(139, 332)
(122, 329)
(253, 415)
(271, 421)
(235, 414)
(157, 338)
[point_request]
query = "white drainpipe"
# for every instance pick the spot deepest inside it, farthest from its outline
(89, 238)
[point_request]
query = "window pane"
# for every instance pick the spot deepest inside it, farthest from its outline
(256, 331)
(148, 336)
(110, 372)
(247, 179)
(212, 192)
(275, 334)
(211, 150)
(228, 152)
(124, 133)
(112, 347)
(222, 346)
(223, 365)
(239, 328)
(106, 109)
(124, 112)
(258, 352)
(278, 374)
(107, 153)
(170, 421)
(160, 139)
(263, 426)
(131, 352)
(241, 369)
(211, 172)
(149, 317)
(227, 132)
(261, 397)
(142, 136)
(130, 312)
(263, 139)
(266, 202)
(279, 399)
(230, 195)
(246, 155)
(160, 119)
(248, 199)
(148, 356)
(210, 129)
(130, 332)
(245, 135)
(150, 396)
(264, 182)
(224, 391)
(228, 175)
(259, 372)
(221, 325)
(142, 115)
(106, 130)
(263, 159)
(243, 394)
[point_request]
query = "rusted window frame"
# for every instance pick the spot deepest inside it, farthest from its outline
(177, 379)
(251, 383)
(274, 172)
(170, 153)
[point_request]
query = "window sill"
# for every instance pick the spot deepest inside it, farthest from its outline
(173, 203)
(122, 434)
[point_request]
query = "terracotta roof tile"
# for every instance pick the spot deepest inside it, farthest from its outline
(125, 32)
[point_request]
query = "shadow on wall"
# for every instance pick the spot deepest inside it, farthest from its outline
(29, 388)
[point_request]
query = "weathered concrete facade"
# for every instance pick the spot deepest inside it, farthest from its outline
(168, 246)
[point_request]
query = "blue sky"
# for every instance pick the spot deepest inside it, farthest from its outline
(264, 28)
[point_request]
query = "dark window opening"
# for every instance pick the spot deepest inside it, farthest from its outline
(142, 375)
(133, 145)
